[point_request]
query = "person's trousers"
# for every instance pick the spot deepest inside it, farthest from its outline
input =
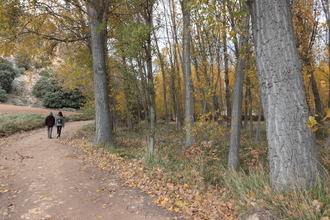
(59, 129)
(50, 130)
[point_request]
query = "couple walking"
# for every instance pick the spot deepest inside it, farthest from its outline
(58, 121)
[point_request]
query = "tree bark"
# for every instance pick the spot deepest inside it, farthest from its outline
(98, 15)
(173, 90)
(326, 10)
(260, 112)
(189, 99)
(316, 94)
(150, 82)
(226, 59)
(177, 60)
(236, 115)
(292, 153)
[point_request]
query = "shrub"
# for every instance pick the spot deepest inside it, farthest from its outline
(23, 61)
(53, 99)
(64, 99)
(45, 73)
(6, 78)
(2, 95)
(7, 75)
(44, 85)
(53, 96)
(73, 99)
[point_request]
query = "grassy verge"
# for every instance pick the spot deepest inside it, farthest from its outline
(11, 123)
(80, 117)
(195, 181)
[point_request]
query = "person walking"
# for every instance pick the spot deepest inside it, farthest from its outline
(59, 122)
(50, 122)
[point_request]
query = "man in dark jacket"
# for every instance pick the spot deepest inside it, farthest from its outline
(50, 122)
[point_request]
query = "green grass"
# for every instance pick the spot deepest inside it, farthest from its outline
(12, 123)
(253, 189)
(80, 117)
(126, 151)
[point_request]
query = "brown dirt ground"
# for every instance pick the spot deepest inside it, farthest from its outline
(41, 178)
(13, 109)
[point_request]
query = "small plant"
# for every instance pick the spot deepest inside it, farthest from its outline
(206, 129)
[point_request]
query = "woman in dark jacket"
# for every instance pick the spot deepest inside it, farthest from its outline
(49, 122)
(59, 122)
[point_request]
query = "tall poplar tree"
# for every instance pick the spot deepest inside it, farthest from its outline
(292, 154)
(97, 11)
(189, 95)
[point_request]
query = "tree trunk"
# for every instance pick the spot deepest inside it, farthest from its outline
(162, 67)
(292, 153)
(226, 59)
(257, 137)
(236, 115)
(97, 14)
(189, 99)
(316, 94)
(126, 85)
(325, 5)
(246, 102)
(150, 84)
(177, 59)
(219, 113)
(173, 90)
(250, 112)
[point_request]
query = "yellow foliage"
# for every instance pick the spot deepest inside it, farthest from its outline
(312, 123)
(327, 114)
(75, 69)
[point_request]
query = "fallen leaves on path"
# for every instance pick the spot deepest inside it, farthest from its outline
(173, 195)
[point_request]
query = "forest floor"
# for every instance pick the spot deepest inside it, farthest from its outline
(72, 178)
(43, 178)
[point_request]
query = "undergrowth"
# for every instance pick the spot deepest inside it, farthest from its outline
(253, 190)
(203, 166)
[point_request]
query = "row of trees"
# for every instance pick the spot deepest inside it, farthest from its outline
(195, 54)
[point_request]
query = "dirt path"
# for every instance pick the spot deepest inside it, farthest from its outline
(41, 178)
